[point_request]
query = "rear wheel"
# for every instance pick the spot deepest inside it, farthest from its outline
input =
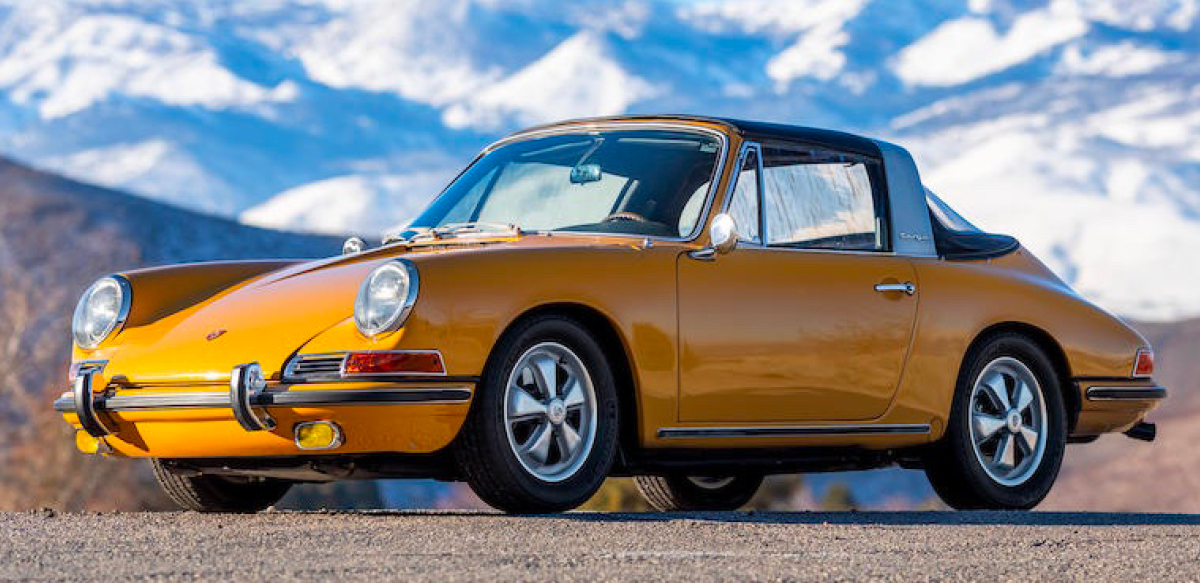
(671, 493)
(542, 432)
(211, 493)
(1006, 434)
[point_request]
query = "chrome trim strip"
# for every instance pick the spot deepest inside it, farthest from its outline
(792, 431)
(456, 394)
(450, 395)
(1154, 393)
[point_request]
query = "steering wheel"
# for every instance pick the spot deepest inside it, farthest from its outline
(625, 216)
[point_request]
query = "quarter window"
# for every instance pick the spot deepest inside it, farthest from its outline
(744, 206)
(820, 200)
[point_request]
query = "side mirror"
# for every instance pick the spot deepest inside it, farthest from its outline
(723, 234)
(723, 237)
(353, 245)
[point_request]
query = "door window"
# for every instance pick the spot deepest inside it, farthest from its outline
(821, 200)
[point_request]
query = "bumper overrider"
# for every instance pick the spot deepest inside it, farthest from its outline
(256, 404)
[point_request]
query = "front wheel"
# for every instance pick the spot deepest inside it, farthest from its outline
(1006, 434)
(676, 492)
(542, 432)
(211, 493)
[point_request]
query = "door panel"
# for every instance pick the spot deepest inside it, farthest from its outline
(773, 335)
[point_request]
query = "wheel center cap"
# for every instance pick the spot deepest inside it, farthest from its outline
(1014, 422)
(556, 411)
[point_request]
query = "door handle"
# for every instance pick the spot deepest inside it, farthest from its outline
(906, 287)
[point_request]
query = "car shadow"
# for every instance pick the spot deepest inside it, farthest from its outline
(915, 518)
(852, 518)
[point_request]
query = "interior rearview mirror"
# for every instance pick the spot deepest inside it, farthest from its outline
(585, 173)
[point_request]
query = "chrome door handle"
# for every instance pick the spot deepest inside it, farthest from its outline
(906, 287)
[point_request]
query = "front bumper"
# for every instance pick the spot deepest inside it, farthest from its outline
(258, 419)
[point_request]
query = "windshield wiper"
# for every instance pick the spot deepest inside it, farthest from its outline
(454, 230)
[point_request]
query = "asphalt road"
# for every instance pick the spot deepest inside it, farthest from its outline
(450, 546)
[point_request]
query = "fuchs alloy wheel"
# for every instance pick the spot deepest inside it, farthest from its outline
(210, 493)
(671, 493)
(1006, 434)
(542, 432)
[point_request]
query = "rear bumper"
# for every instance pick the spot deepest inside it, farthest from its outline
(1114, 405)
(258, 419)
(1126, 393)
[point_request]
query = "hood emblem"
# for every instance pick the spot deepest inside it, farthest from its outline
(219, 332)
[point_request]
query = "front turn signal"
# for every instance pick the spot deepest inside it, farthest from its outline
(399, 362)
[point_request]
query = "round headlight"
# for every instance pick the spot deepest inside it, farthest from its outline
(101, 311)
(386, 297)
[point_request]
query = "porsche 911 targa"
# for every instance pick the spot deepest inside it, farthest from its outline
(694, 302)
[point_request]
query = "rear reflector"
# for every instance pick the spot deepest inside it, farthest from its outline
(388, 363)
(1143, 365)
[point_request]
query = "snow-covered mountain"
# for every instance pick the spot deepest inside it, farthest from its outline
(1072, 124)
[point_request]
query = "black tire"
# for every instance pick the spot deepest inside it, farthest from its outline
(483, 452)
(211, 493)
(681, 493)
(955, 470)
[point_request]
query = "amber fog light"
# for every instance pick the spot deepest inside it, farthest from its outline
(318, 435)
(1143, 365)
(89, 444)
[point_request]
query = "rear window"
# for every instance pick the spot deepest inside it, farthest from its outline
(946, 215)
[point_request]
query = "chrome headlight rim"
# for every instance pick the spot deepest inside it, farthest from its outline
(400, 316)
(87, 342)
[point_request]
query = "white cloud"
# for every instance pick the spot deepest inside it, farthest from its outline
(576, 79)
(1118, 60)
(965, 49)
(101, 55)
(357, 203)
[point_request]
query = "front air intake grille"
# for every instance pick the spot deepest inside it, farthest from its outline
(315, 366)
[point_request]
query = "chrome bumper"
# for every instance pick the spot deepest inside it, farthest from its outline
(1154, 393)
(248, 397)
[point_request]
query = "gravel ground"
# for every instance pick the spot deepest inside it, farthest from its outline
(453, 546)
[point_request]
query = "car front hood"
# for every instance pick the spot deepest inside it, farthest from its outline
(268, 318)
(263, 320)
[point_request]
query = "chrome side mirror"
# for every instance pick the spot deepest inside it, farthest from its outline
(353, 245)
(723, 234)
(723, 238)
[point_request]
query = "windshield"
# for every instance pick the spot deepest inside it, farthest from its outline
(644, 182)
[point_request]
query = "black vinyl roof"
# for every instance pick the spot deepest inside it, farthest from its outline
(759, 130)
(756, 130)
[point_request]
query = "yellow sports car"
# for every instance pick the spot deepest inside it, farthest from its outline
(694, 302)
